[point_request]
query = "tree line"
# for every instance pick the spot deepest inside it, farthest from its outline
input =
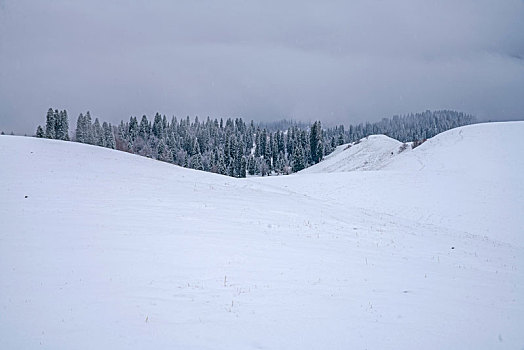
(235, 148)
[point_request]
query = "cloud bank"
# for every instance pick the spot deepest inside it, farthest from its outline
(337, 61)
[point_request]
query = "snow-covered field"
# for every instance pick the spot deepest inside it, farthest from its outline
(103, 249)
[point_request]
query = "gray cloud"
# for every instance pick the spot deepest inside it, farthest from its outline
(337, 61)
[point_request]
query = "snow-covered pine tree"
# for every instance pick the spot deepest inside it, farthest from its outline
(222, 168)
(165, 126)
(341, 138)
(157, 128)
(239, 158)
(39, 132)
(145, 128)
(251, 165)
(281, 143)
(315, 142)
(267, 154)
(133, 130)
(227, 150)
(163, 152)
(196, 162)
(61, 125)
(263, 142)
(88, 125)
(243, 167)
(262, 167)
(98, 134)
(65, 126)
(257, 143)
(58, 125)
(298, 158)
(50, 124)
(80, 133)
(109, 139)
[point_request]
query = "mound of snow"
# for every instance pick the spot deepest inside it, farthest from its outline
(480, 150)
(103, 249)
(371, 153)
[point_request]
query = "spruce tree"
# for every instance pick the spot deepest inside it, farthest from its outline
(267, 155)
(50, 124)
(80, 129)
(61, 125)
(222, 168)
(251, 165)
(88, 127)
(109, 139)
(196, 162)
(298, 158)
(133, 130)
(98, 134)
(263, 142)
(157, 128)
(243, 167)
(163, 152)
(39, 132)
(65, 126)
(58, 125)
(315, 142)
(227, 150)
(144, 129)
(239, 158)
(257, 143)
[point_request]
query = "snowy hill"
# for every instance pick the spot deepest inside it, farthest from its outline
(489, 149)
(103, 249)
(371, 153)
(467, 179)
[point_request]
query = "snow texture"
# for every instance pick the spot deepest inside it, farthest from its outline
(371, 153)
(103, 249)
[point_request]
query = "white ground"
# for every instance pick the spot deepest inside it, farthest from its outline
(371, 153)
(111, 250)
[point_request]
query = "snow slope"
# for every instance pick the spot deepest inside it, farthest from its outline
(371, 153)
(111, 250)
(480, 150)
(468, 179)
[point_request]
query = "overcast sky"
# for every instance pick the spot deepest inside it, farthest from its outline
(337, 61)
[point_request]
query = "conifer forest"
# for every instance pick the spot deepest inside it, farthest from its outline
(238, 148)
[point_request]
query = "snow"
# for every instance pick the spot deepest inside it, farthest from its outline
(371, 153)
(468, 179)
(112, 250)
